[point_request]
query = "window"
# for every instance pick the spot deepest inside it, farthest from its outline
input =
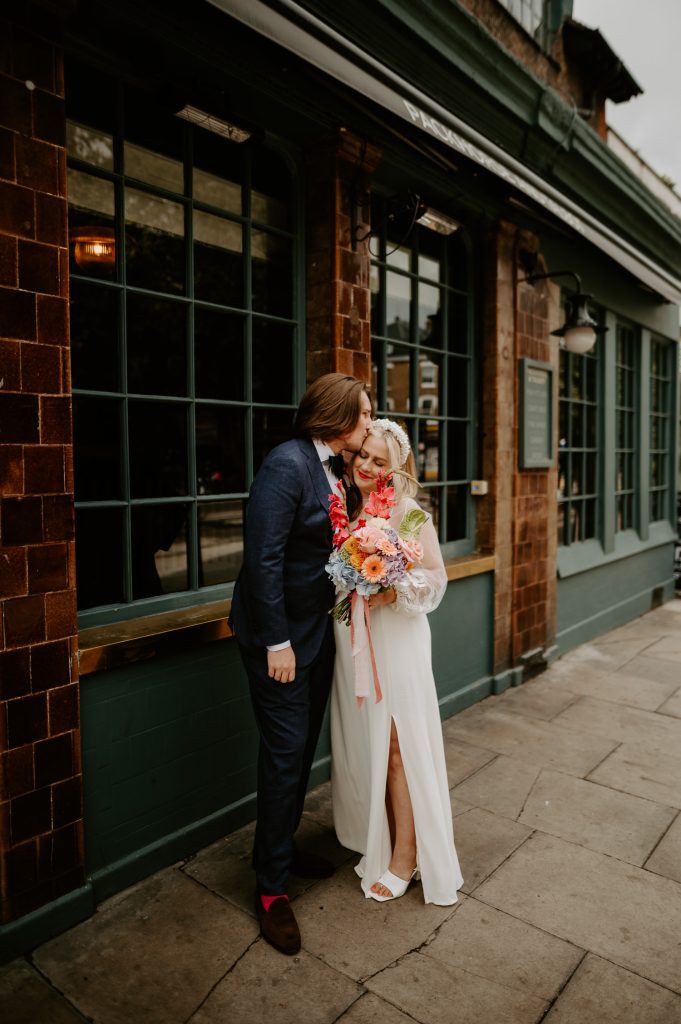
(530, 13)
(578, 446)
(626, 430)
(184, 331)
(662, 368)
(422, 360)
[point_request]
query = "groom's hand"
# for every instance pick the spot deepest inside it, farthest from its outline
(281, 665)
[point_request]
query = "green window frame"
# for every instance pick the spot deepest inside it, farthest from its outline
(626, 426)
(662, 426)
(200, 352)
(422, 361)
(579, 444)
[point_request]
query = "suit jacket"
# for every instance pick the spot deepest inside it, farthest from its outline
(283, 592)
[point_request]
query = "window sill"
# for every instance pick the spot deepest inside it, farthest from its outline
(151, 636)
(589, 554)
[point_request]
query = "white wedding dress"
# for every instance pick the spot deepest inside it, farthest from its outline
(360, 738)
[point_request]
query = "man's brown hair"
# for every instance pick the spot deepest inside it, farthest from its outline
(330, 407)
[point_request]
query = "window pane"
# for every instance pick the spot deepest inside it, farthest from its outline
(457, 397)
(157, 346)
(272, 362)
(220, 450)
(92, 244)
(429, 315)
(91, 113)
(397, 256)
(428, 451)
(397, 299)
(218, 260)
(270, 428)
(376, 314)
(158, 449)
(153, 168)
(457, 261)
(218, 354)
(398, 358)
(429, 383)
(100, 558)
(90, 145)
(159, 550)
(218, 172)
(272, 270)
(154, 242)
(153, 144)
(97, 448)
(429, 500)
(457, 451)
(94, 336)
(457, 499)
(221, 541)
(271, 189)
(458, 324)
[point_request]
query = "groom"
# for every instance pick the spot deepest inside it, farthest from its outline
(281, 622)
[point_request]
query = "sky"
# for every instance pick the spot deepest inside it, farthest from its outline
(646, 36)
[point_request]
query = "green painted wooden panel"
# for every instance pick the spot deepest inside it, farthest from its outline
(463, 642)
(592, 602)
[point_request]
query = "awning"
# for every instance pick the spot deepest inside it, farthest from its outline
(317, 43)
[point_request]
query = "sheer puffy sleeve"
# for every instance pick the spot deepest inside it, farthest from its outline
(422, 589)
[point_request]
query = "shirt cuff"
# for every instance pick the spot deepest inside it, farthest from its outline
(279, 647)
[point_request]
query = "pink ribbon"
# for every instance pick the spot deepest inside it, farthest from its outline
(363, 656)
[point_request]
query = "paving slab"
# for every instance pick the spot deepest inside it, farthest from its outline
(225, 867)
(563, 670)
(620, 688)
(623, 913)
(534, 700)
(501, 787)
(149, 955)
(359, 936)
(462, 758)
(483, 842)
(544, 743)
(668, 646)
(622, 724)
(666, 857)
(26, 998)
(319, 805)
(436, 993)
(602, 993)
(370, 1009)
(267, 988)
(607, 656)
(596, 817)
(672, 706)
(654, 668)
(492, 945)
(653, 774)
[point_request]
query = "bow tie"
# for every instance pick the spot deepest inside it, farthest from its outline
(336, 465)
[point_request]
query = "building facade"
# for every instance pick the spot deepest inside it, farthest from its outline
(202, 208)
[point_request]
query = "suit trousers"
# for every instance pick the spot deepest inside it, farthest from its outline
(289, 718)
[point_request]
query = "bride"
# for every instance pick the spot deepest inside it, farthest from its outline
(388, 776)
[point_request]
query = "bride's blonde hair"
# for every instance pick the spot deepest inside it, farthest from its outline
(400, 457)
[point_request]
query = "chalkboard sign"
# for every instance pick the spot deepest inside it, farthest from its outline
(536, 414)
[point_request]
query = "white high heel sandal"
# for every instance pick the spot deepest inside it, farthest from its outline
(397, 886)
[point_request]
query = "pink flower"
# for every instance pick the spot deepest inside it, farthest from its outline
(385, 545)
(413, 550)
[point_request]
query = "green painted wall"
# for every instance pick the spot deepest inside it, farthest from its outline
(590, 603)
(170, 746)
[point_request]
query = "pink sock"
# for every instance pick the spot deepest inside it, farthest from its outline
(267, 901)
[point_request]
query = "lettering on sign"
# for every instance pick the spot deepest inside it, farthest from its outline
(536, 415)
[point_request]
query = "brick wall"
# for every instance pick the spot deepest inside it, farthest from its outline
(40, 782)
(338, 293)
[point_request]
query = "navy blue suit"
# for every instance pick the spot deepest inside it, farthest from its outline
(283, 593)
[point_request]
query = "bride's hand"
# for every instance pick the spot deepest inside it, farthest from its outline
(383, 597)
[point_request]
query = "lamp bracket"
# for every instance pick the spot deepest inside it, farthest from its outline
(532, 278)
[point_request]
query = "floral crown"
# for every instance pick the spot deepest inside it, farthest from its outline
(386, 426)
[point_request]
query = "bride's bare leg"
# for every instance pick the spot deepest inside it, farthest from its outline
(391, 817)
(398, 800)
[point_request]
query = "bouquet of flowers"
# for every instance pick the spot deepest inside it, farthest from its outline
(367, 559)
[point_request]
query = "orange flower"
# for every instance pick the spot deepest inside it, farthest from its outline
(357, 560)
(351, 546)
(373, 568)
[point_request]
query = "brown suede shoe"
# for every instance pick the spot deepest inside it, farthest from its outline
(278, 925)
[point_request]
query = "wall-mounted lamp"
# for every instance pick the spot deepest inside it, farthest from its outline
(213, 124)
(437, 221)
(94, 247)
(579, 331)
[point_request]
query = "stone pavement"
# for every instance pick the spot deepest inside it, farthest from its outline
(566, 793)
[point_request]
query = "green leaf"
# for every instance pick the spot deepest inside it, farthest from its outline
(411, 524)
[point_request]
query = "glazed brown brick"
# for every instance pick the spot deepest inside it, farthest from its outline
(30, 815)
(21, 521)
(67, 801)
(33, 57)
(18, 770)
(53, 320)
(8, 262)
(38, 269)
(36, 165)
(48, 118)
(50, 219)
(53, 760)
(60, 614)
(13, 572)
(55, 420)
(26, 720)
(17, 313)
(47, 568)
(59, 852)
(7, 165)
(21, 864)
(58, 517)
(50, 665)
(24, 620)
(15, 674)
(15, 105)
(10, 360)
(44, 469)
(40, 369)
(16, 210)
(63, 709)
(31, 899)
